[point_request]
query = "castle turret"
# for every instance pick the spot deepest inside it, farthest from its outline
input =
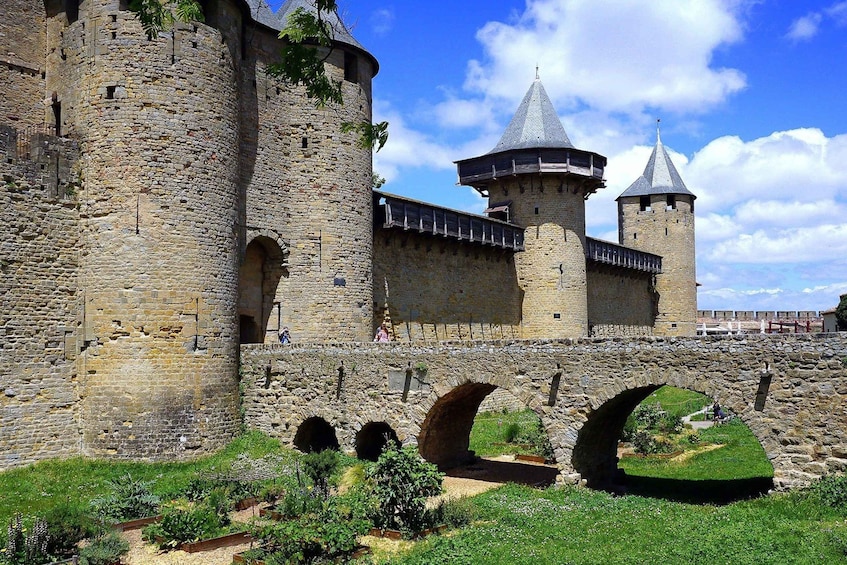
(158, 124)
(656, 214)
(542, 181)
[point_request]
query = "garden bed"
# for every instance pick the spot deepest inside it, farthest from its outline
(244, 558)
(214, 543)
(136, 524)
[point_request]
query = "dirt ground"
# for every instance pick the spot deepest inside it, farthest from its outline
(470, 480)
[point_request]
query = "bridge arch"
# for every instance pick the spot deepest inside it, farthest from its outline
(444, 435)
(315, 434)
(373, 438)
(594, 453)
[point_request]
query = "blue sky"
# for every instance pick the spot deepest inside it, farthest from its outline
(751, 96)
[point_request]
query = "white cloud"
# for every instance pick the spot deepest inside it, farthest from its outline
(804, 28)
(797, 245)
(382, 21)
(838, 12)
(659, 53)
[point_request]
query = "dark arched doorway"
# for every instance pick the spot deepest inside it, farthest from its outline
(315, 434)
(261, 269)
(372, 440)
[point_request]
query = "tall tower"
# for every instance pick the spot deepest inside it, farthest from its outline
(537, 174)
(656, 214)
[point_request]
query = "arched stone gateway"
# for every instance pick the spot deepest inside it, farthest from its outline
(315, 434)
(372, 440)
(790, 390)
(262, 268)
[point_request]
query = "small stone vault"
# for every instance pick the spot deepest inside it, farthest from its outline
(790, 390)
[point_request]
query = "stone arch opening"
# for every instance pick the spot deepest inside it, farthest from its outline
(315, 434)
(259, 313)
(445, 432)
(372, 440)
(595, 454)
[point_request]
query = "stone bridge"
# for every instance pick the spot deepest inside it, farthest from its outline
(791, 390)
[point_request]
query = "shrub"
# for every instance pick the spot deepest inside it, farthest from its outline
(181, 525)
(511, 432)
(694, 438)
(831, 490)
(629, 429)
(536, 438)
(130, 499)
(402, 482)
(319, 467)
(67, 525)
(644, 443)
(647, 416)
(104, 549)
(670, 424)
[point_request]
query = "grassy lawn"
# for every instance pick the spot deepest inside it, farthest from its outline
(678, 401)
(573, 525)
(488, 435)
(34, 489)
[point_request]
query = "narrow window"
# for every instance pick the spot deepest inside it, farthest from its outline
(114, 35)
(536, 210)
(304, 143)
(72, 10)
(351, 67)
(110, 92)
(671, 202)
(57, 117)
(644, 202)
(666, 231)
(634, 236)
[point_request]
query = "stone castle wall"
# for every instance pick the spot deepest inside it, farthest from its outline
(439, 289)
(22, 55)
(620, 302)
(790, 390)
(39, 302)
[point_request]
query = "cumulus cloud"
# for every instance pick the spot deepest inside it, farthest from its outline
(659, 55)
(804, 28)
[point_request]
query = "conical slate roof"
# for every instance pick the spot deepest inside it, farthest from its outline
(341, 33)
(534, 125)
(659, 177)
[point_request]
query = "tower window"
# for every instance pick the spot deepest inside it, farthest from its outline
(351, 67)
(304, 143)
(110, 92)
(536, 210)
(644, 202)
(671, 202)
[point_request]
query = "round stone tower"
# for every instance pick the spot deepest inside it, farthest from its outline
(656, 214)
(157, 121)
(22, 53)
(541, 181)
(320, 197)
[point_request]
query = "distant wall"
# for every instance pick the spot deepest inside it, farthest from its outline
(440, 289)
(619, 302)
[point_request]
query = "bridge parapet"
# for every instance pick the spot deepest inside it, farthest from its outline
(791, 390)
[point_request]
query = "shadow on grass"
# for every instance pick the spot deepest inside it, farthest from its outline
(507, 472)
(699, 491)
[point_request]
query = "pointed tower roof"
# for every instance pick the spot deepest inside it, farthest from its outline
(340, 32)
(659, 177)
(534, 125)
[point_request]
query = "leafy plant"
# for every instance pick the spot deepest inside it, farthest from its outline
(185, 524)
(104, 549)
(67, 525)
(831, 490)
(402, 482)
(645, 444)
(455, 512)
(647, 415)
(670, 424)
(319, 467)
(129, 499)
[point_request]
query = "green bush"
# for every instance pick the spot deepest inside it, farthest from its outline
(536, 438)
(511, 432)
(670, 424)
(694, 438)
(402, 482)
(130, 499)
(831, 490)
(629, 429)
(67, 525)
(182, 525)
(645, 444)
(104, 549)
(647, 415)
(319, 467)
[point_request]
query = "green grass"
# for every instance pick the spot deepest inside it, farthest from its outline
(678, 401)
(579, 526)
(488, 432)
(36, 488)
